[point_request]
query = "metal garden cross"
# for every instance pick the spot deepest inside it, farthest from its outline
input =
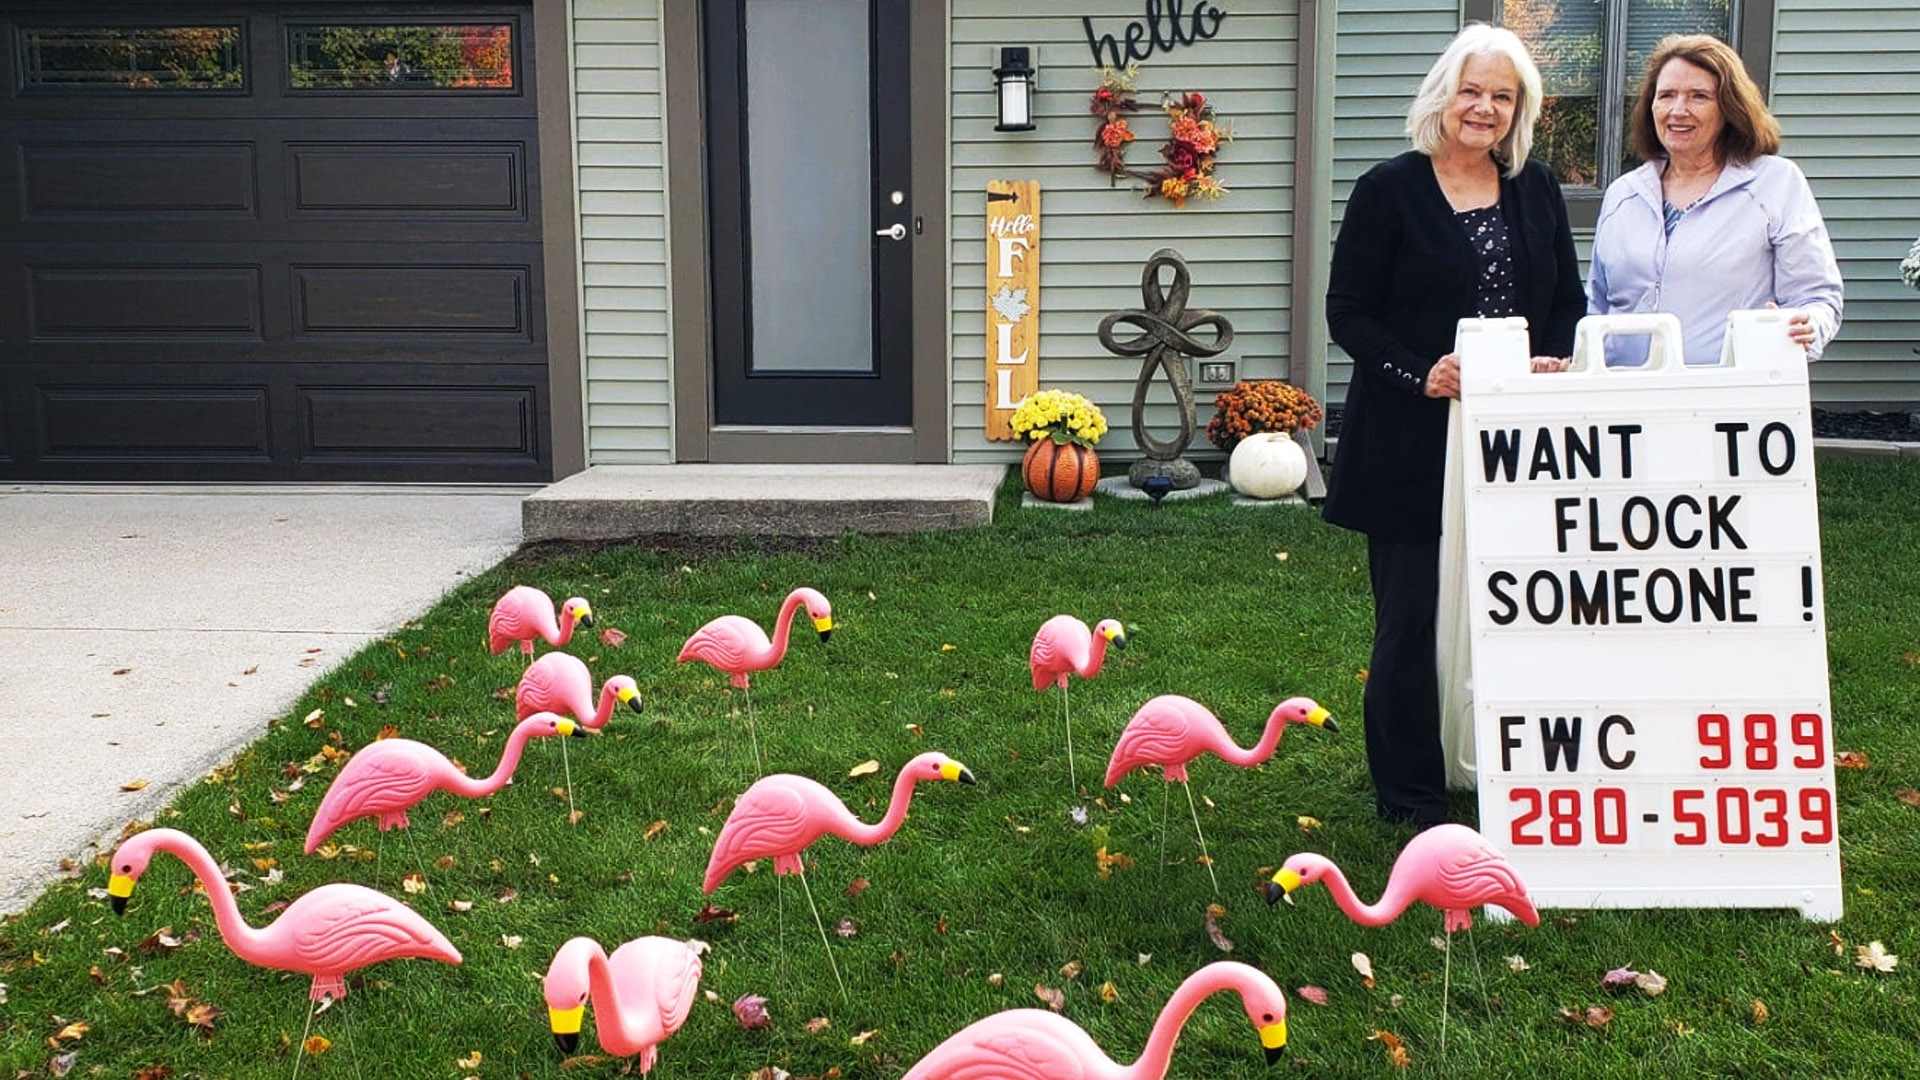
(1166, 336)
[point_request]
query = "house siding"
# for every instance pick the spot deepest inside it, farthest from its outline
(621, 183)
(1095, 237)
(1846, 87)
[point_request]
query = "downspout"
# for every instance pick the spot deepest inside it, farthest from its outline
(1313, 202)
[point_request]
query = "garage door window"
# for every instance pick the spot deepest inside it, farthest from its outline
(108, 59)
(452, 57)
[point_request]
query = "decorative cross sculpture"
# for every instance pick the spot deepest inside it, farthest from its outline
(1166, 337)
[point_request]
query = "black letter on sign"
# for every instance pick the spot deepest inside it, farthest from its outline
(1508, 610)
(1606, 729)
(1559, 740)
(1103, 41)
(1500, 452)
(1732, 430)
(1766, 459)
(1508, 742)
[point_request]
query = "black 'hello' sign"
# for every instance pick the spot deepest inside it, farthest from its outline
(1167, 24)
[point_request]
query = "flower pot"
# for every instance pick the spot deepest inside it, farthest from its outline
(1267, 465)
(1059, 472)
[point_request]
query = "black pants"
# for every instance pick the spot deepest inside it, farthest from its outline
(1402, 699)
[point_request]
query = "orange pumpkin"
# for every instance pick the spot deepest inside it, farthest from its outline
(1060, 472)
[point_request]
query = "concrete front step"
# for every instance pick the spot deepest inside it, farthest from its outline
(611, 502)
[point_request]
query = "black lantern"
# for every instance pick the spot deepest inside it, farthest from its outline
(1014, 81)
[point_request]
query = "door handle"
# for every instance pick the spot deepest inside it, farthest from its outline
(895, 231)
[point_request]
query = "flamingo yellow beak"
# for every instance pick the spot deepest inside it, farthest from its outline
(1117, 638)
(1320, 717)
(824, 624)
(568, 727)
(1282, 886)
(566, 1026)
(632, 699)
(119, 887)
(953, 770)
(1274, 1038)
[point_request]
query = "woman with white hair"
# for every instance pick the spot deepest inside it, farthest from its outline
(1462, 225)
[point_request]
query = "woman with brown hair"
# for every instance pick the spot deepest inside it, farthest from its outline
(1714, 221)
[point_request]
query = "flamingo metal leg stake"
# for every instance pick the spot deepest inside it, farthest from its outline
(1204, 857)
(823, 935)
(1066, 711)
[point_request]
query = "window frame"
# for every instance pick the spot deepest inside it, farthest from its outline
(1752, 24)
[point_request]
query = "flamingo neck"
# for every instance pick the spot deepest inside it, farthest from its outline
(240, 937)
(1262, 750)
(1202, 984)
(503, 772)
(609, 1012)
(783, 625)
(869, 835)
(609, 700)
(566, 627)
(1391, 904)
(1095, 657)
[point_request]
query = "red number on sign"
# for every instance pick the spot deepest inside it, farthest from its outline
(1610, 815)
(1692, 819)
(1761, 731)
(1810, 733)
(1816, 805)
(1715, 735)
(1776, 817)
(1563, 817)
(1531, 797)
(1733, 805)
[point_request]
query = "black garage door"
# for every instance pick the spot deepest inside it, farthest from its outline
(270, 242)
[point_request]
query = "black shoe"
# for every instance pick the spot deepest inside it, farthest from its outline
(1421, 820)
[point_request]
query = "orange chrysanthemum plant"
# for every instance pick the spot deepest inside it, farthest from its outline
(1193, 142)
(1111, 103)
(1255, 405)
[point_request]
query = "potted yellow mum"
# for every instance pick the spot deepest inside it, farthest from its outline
(1061, 428)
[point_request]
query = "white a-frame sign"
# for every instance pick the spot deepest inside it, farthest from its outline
(1641, 579)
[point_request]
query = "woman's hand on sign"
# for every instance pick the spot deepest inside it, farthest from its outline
(1549, 363)
(1443, 379)
(1799, 328)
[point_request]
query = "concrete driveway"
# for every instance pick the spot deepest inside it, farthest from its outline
(150, 632)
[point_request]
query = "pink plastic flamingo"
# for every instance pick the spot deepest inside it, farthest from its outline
(326, 933)
(1034, 1044)
(1063, 646)
(525, 613)
(736, 645)
(387, 778)
(1171, 731)
(560, 683)
(781, 814)
(641, 994)
(1450, 867)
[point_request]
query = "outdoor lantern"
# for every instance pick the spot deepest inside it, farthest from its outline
(1014, 79)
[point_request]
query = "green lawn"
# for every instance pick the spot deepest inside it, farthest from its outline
(988, 890)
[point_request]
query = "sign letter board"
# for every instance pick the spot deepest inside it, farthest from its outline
(1013, 300)
(1651, 714)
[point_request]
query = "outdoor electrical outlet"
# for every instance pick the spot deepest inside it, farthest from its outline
(1216, 371)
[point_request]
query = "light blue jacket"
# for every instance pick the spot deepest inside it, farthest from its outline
(1756, 236)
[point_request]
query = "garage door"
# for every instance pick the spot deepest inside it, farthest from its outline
(270, 242)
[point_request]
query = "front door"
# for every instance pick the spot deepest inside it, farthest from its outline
(812, 224)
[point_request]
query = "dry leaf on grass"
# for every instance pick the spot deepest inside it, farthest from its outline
(62, 1064)
(865, 768)
(1313, 994)
(862, 1038)
(1220, 941)
(1850, 759)
(846, 927)
(709, 913)
(1594, 1016)
(1760, 1012)
(202, 1015)
(318, 1044)
(818, 1024)
(471, 1061)
(415, 882)
(1071, 969)
(612, 637)
(1055, 999)
(511, 941)
(655, 829)
(1874, 957)
(1517, 963)
(1108, 993)
(1908, 796)
(133, 785)
(856, 886)
(751, 1011)
(1308, 825)
(1396, 1050)
(1108, 863)
(76, 1030)
(1364, 965)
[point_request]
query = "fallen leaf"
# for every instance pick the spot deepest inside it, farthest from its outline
(1078, 815)
(387, 731)
(506, 896)
(1108, 993)
(1142, 959)
(1308, 825)
(76, 1030)
(845, 927)
(1839, 946)
(1055, 999)
(1313, 994)
(771, 1072)
(1517, 963)
(946, 648)
(62, 1064)
(574, 816)
(133, 785)
(459, 905)
(995, 979)
(861, 1039)
(1281, 555)
(1396, 1050)
(583, 1061)
(1619, 979)
(202, 1016)
(751, 1011)
(865, 768)
(1109, 863)
(1875, 957)
(1220, 941)
(123, 671)
(1364, 966)
(313, 718)
(1908, 796)
(415, 882)
(57, 927)
(1593, 1016)
(1651, 983)
(511, 941)
(1071, 969)
(318, 1044)
(857, 886)
(1850, 759)
(709, 913)
(1760, 1012)
(161, 940)
(613, 638)
(940, 924)
(655, 829)
(177, 997)
(152, 1072)
(471, 1061)
(818, 1024)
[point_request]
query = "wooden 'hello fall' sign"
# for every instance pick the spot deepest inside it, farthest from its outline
(1013, 299)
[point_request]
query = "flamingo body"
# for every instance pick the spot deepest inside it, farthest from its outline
(1450, 867)
(525, 613)
(641, 994)
(560, 683)
(736, 645)
(1034, 1044)
(385, 779)
(1171, 731)
(326, 933)
(781, 814)
(1064, 646)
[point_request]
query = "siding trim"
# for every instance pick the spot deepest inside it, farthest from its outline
(559, 236)
(686, 231)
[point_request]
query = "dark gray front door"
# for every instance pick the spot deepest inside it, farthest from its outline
(270, 241)
(812, 224)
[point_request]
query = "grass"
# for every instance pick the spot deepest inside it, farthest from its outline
(988, 890)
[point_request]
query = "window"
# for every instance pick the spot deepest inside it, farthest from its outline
(368, 56)
(1592, 54)
(108, 59)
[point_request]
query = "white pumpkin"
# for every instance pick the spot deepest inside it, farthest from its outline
(1267, 465)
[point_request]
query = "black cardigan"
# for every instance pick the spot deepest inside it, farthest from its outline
(1403, 277)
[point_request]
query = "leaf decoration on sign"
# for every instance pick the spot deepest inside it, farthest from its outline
(1010, 303)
